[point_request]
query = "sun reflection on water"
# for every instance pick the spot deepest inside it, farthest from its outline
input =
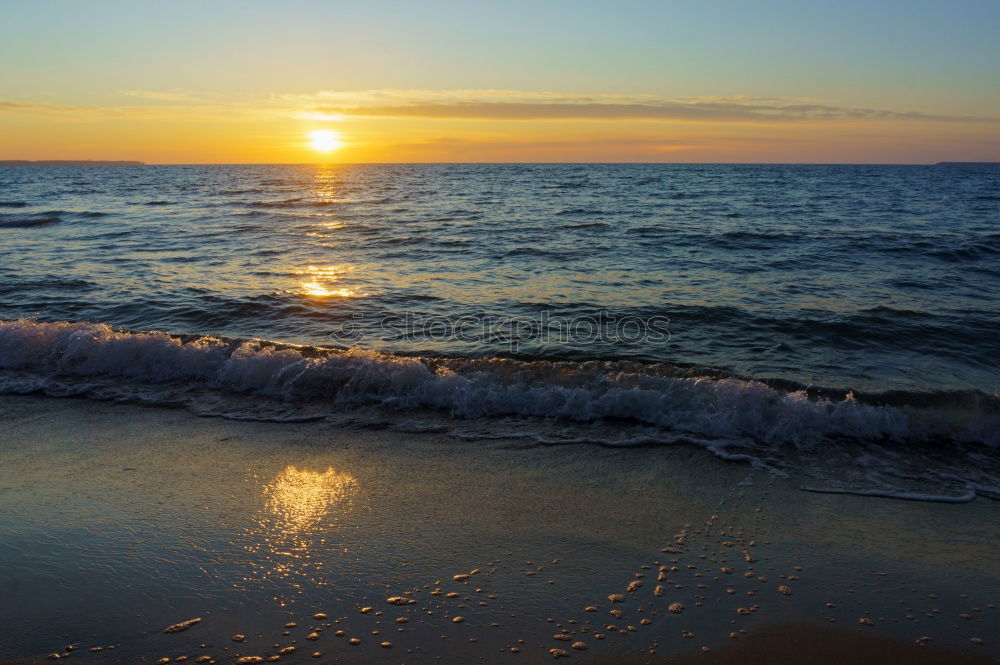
(316, 289)
(322, 282)
(325, 185)
(291, 539)
(325, 229)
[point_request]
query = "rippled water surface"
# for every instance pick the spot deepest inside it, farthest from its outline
(783, 305)
(872, 277)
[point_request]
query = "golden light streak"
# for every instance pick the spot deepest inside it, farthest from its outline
(322, 282)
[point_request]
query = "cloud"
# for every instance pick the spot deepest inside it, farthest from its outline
(517, 150)
(185, 96)
(488, 104)
(518, 105)
(6, 105)
(90, 113)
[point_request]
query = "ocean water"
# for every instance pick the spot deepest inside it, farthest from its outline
(837, 324)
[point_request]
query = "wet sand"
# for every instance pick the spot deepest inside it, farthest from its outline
(815, 645)
(119, 521)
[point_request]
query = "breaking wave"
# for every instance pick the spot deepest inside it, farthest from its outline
(583, 391)
(883, 444)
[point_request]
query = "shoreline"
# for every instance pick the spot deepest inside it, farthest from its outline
(156, 516)
(837, 441)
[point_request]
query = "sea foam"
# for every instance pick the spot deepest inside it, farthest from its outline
(928, 447)
(470, 388)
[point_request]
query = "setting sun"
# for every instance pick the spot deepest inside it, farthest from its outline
(324, 140)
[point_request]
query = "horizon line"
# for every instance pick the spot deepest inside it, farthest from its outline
(123, 162)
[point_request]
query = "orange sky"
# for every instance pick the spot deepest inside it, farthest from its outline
(500, 130)
(673, 81)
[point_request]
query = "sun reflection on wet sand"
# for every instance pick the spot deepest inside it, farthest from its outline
(298, 498)
(290, 537)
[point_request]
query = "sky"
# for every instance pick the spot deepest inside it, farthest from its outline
(816, 81)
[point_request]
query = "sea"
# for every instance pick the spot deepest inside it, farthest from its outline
(836, 325)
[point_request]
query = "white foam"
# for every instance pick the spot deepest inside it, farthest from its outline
(717, 409)
(967, 495)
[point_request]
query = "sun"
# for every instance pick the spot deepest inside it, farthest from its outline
(323, 140)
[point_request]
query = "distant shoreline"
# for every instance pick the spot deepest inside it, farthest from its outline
(67, 162)
(967, 164)
(96, 162)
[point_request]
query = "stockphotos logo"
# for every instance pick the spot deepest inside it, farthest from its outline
(509, 331)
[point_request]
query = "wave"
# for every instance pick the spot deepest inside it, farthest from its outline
(965, 497)
(592, 225)
(12, 204)
(579, 211)
(536, 252)
(944, 248)
(742, 240)
(23, 221)
(282, 203)
(236, 192)
(761, 235)
(654, 394)
(739, 419)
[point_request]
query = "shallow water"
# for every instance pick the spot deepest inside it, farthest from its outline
(862, 296)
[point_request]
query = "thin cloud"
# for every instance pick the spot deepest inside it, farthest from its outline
(6, 105)
(183, 96)
(90, 113)
(511, 105)
(601, 108)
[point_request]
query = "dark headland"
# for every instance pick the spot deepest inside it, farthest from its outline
(66, 162)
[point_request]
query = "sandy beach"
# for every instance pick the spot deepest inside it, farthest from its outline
(119, 521)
